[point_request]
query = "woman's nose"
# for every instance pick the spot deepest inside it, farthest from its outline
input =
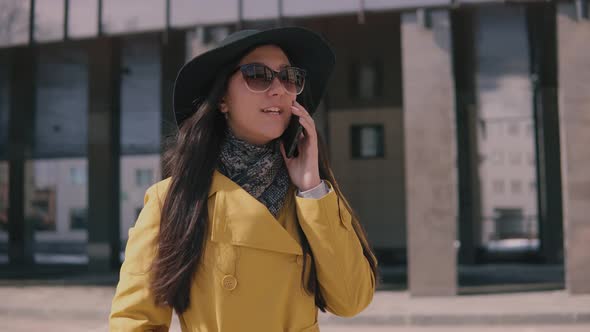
(276, 87)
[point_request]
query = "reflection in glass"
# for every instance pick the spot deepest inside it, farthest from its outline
(61, 104)
(133, 15)
(56, 186)
(509, 212)
(140, 95)
(49, 20)
(83, 18)
(140, 124)
(52, 206)
(14, 22)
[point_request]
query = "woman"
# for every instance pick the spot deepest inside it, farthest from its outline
(240, 237)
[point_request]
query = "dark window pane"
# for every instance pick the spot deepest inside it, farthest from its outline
(140, 96)
(79, 218)
(367, 141)
(62, 103)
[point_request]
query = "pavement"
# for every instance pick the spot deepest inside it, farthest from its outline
(86, 308)
(491, 298)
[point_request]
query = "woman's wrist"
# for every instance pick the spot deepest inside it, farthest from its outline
(316, 192)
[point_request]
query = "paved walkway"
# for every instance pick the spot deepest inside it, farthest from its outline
(508, 298)
(86, 308)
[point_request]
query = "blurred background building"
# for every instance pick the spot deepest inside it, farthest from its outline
(458, 129)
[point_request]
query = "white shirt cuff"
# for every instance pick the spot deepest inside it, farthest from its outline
(317, 192)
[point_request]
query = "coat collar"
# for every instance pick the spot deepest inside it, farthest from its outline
(240, 219)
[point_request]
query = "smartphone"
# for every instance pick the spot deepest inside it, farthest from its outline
(291, 136)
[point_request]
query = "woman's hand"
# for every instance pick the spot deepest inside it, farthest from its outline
(304, 169)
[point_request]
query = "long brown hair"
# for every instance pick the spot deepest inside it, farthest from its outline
(190, 162)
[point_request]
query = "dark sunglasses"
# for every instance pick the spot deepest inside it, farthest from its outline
(259, 77)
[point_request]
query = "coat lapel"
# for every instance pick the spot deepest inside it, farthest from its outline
(240, 219)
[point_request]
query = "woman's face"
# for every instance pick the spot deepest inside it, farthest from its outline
(246, 116)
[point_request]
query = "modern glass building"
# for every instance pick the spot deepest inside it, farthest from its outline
(457, 129)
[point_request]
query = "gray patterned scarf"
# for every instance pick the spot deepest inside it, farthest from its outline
(258, 169)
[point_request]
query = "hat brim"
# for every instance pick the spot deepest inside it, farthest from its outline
(305, 48)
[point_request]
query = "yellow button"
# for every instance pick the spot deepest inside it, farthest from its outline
(229, 282)
(299, 259)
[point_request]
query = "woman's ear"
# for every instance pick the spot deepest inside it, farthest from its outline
(223, 106)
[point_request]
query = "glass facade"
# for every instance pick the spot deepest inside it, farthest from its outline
(56, 186)
(61, 104)
(140, 124)
(505, 136)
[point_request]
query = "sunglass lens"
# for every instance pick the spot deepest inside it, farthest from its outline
(257, 77)
(293, 79)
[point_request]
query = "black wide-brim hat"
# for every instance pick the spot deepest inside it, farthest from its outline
(304, 48)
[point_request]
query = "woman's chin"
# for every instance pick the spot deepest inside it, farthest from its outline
(274, 133)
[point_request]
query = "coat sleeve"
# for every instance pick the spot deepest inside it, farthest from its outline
(133, 307)
(344, 274)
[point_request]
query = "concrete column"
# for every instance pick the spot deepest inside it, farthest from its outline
(574, 117)
(103, 154)
(20, 140)
(431, 157)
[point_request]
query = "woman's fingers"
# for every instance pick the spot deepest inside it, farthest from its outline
(305, 119)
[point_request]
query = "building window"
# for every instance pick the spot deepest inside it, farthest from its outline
(498, 186)
(367, 141)
(497, 157)
(42, 210)
(78, 175)
(516, 186)
(78, 218)
(509, 223)
(515, 158)
(513, 129)
(366, 80)
(143, 177)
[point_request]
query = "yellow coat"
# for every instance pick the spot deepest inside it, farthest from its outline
(250, 277)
